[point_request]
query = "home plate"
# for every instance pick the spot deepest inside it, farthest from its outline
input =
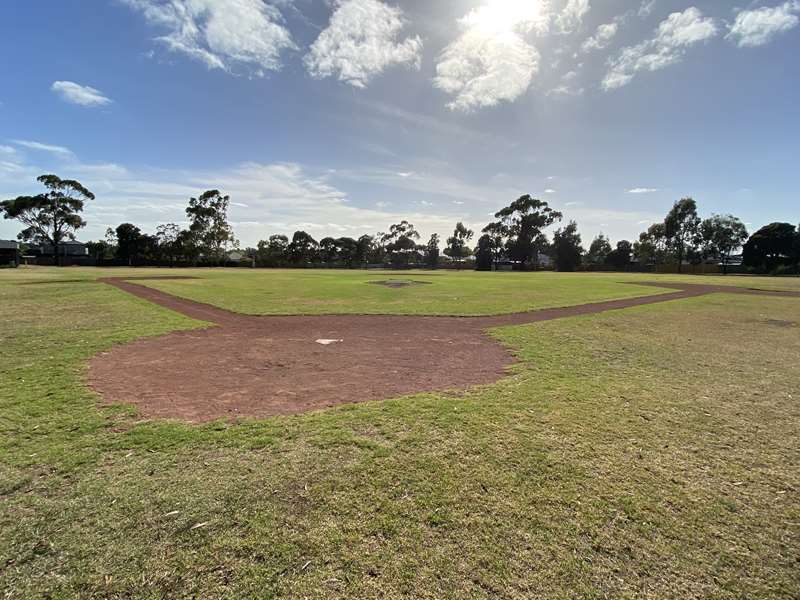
(328, 342)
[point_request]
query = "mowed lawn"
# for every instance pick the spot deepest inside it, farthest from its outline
(270, 292)
(651, 452)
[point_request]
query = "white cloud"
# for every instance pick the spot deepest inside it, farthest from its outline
(224, 34)
(571, 18)
(677, 33)
(38, 146)
(266, 198)
(360, 42)
(491, 61)
(565, 90)
(82, 95)
(646, 9)
(602, 37)
(7, 150)
(757, 27)
(549, 191)
(642, 190)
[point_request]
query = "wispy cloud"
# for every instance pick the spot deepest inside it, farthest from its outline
(674, 36)
(646, 9)
(759, 26)
(60, 151)
(360, 42)
(571, 18)
(82, 95)
(223, 34)
(642, 190)
(602, 38)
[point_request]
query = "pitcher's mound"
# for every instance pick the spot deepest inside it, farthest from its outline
(399, 283)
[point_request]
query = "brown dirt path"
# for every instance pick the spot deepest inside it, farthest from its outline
(251, 366)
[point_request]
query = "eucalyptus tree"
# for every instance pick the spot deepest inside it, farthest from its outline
(522, 224)
(51, 217)
(721, 236)
(681, 228)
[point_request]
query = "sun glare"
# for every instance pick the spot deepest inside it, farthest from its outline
(502, 16)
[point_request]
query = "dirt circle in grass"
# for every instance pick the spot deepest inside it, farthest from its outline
(399, 283)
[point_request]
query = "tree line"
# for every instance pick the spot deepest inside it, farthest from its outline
(516, 238)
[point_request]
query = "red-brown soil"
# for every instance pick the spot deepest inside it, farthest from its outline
(248, 366)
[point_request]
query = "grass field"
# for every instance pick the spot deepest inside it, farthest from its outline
(651, 452)
(268, 292)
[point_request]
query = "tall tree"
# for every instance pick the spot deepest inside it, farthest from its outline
(599, 250)
(651, 247)
(303, 249)
(167, 236)
(681, 228)
(620, 257)
(208, 216)
(721, 236)
(401, 243)
(51, 217)
(771, 246)
(130, 242)
(485, 253)
(522, 224)
(369, 251)
(457, 248)
(273, 252)
(347, 251)
(328, 253)
(496, 232)
(432, 251)
(567, 249)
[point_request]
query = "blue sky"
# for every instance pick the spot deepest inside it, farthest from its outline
(342, 117)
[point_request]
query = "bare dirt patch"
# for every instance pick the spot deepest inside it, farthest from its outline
(399, 283)
(260, 366)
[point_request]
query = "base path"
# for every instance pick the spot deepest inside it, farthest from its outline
(248, 366)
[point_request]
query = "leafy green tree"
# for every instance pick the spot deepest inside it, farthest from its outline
(51, 217)
(681, 228)
(620, 257)
(457, 248)
(496, 232)
(328, 253)
(485, 253)
(652, 245)
(130, 242)
(369, 251)
(303, 249)
(100, 250)
(599, 250)
(167, 236)
(273, 252)
(432, 251)
(567, 249)
(522, 224)
(721, 236)
(771, 246)
(208, 216)
(347, 251)
(401, 243)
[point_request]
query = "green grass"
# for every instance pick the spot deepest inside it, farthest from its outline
(650, 452)
(266, 292)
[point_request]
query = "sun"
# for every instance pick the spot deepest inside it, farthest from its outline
(503, 16)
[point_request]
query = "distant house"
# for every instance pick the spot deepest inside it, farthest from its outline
(68, 248)
(9, 253)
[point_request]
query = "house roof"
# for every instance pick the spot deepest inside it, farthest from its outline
(9, 245)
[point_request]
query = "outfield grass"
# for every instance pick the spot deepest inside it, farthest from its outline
(270, 292)
(650, 452)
